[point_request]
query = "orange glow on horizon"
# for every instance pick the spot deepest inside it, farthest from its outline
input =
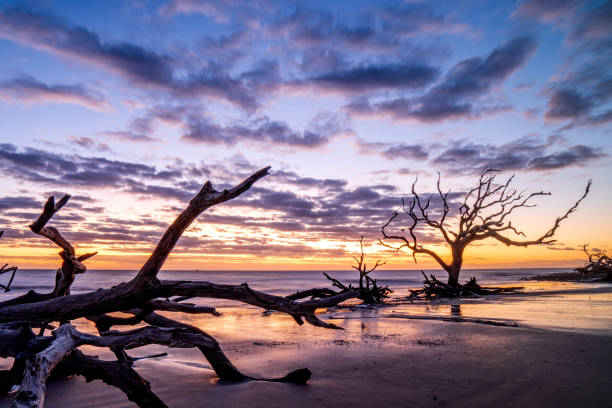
(207, 245)
(482, 257)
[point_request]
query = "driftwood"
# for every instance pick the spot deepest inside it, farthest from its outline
(433, 288)
(7, 269)
(484, 214)
(598, 263)
(369, 290)
(38, 357)
(597, 268)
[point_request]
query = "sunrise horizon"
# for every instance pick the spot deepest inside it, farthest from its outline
(131, 109)
(229, 203)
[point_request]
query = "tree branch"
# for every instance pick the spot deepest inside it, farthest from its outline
(544, 238)
(206, 198)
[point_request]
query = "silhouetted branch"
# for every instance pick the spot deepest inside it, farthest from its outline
(139, 299)
(483, 214)
(206, 198)
(7, 269)
(71, 264)
(369, 290)
(599, 263)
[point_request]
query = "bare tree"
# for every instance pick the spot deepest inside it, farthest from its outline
(484, 213)
(38, 356)
(369, 290)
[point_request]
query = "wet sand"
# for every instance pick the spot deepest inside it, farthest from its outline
(380, 361)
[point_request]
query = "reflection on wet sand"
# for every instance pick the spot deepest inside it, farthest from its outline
(456, 310)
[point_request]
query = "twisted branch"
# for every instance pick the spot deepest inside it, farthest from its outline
(139, 298)
(483, 214)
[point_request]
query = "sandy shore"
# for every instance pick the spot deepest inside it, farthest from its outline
(375, 361)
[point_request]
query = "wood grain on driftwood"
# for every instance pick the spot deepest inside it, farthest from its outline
(39, 356)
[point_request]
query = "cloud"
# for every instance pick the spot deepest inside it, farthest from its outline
(309, 27)
(525, 154)
(321, 60)
(197, 127)
(89, 143)
(293, 179)
(548, 10)
(405, 151)
(218, 75)
(40, 166)
(18, 203)
(373, 77)
(54, 34)
(27, 89)
(568, 103)
(342, 214)
(583, 96)
(579, 95)
(458, 92)
(135, 63)
(261, 248)
(323, 208)
(395, 150)
(208, 8)
(165, 192)
(375, 29)
(222, 12)
(528, 153)
(228, 49)
(413, 19)
(594, 24)
(222, 43)
(287, 203)
(560, 247)
(320, 131)
(126, 136)
(139, 126)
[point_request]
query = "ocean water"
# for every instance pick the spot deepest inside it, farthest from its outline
(566, 306)
(275, 282)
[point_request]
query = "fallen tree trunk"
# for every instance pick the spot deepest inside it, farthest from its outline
(39, 366)
(433, 288)
(37, 357)
(118, 374)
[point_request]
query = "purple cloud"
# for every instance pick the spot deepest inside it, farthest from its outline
(524, 154)
(548, 10)
(27, 89)
(373, 77)
(594, 24)
(135, 63)
(18, 203)
(457, 93)
(264, 130)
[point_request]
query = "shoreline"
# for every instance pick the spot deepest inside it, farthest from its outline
(558, 355)
(382, 364)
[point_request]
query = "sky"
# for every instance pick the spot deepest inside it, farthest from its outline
(130, 106)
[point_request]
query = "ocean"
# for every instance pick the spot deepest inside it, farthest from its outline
(275, 282)
(567, 306)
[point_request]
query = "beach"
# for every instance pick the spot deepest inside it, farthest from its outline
(550, 346)
(229, 204)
